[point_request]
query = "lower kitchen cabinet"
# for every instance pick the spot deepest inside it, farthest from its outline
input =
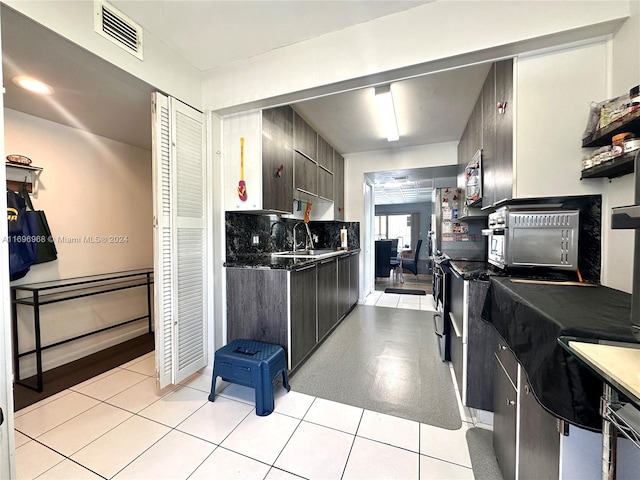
(504, 421)
(472, 343)
(343, 286)
(529, 449)
(354, 279)
(327, 296)
(304, 304)
(539, 438)
(293, 308)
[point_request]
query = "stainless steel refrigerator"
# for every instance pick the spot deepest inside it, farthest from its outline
(459, 237)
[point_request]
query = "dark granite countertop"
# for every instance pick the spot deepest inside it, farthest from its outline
(266, 260)
(472, 270)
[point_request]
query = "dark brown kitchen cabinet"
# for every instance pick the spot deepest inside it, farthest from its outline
(503, 146)
(344, 296)
(327, 296)
(525, 436)
(277, 164)
(305, 174)
(354, 279)
(338, 186)
(303, 313)
(305, 138)
(504, 420)
(539, 438)
(490, 129)
(471, 140)
(325, 154)
(257, 305)
(325, 184)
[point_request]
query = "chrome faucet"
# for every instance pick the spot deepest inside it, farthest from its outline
(308, 240)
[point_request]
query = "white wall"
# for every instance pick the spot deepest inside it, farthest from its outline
(89, 186)
(419, 36)
(553, 94)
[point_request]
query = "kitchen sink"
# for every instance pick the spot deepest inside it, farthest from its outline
(315, 253)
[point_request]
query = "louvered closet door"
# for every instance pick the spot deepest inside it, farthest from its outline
(179, 240)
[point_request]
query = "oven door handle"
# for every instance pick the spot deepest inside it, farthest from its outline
(487, 232)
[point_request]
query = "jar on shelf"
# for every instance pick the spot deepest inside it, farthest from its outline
(617, 146)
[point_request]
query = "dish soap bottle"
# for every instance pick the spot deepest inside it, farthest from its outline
(343, 237)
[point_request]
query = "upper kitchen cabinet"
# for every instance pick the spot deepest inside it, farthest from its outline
(338, 186)
(258, 153)
(490, 129)
(305, 138)
(503, 146)
(471, 140)
(325, 169)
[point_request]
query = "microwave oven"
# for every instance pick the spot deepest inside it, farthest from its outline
(533, 238)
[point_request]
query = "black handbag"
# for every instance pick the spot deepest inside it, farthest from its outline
(45, 247)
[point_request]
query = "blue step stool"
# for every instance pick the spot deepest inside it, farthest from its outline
(251, 364)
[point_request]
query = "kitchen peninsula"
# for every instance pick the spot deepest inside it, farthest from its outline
(543, 382)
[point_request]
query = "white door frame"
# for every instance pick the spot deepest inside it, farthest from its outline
(7, 446)
(368, 237)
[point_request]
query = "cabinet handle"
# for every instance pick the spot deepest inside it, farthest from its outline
(502, 347)
(279, 172)
(527, 389)
(502, 106)
(511, 403)
(324, 262)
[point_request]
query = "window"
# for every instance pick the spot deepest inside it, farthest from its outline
(395, 226)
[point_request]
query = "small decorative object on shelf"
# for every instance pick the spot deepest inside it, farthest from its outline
(18, 159)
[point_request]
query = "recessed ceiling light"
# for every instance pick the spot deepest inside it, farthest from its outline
(33, 85)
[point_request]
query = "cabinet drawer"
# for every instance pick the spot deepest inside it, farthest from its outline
(508, 361)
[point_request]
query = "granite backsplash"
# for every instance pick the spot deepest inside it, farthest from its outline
(276, 234)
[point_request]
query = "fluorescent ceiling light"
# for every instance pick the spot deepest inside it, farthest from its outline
(33, 85)
(387, 112)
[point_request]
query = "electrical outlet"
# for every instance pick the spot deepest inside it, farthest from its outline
(255, 240)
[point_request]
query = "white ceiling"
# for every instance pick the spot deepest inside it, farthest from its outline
(211, 34)
(93, 95)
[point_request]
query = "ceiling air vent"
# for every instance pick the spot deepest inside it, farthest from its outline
(113, 25)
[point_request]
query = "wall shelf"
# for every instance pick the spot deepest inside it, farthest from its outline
(616, 167)
(603, 136)
(18, 174)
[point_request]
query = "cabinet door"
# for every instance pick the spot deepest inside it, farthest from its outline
(257, 305)
(327, 296)
(539, 439)
(305, 138)
(504, 422)
(354, 279)
(503, 171)
(343, 286)
(338, 186)
(488, 139)
(305, 174)
(303, 313)
(325, 154)
(277, 161)
(325, 184)
(480, 348)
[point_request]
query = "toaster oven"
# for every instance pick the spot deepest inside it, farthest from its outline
(523, 238)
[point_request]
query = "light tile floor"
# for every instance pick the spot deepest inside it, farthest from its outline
(117, 426)
(395, 300)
